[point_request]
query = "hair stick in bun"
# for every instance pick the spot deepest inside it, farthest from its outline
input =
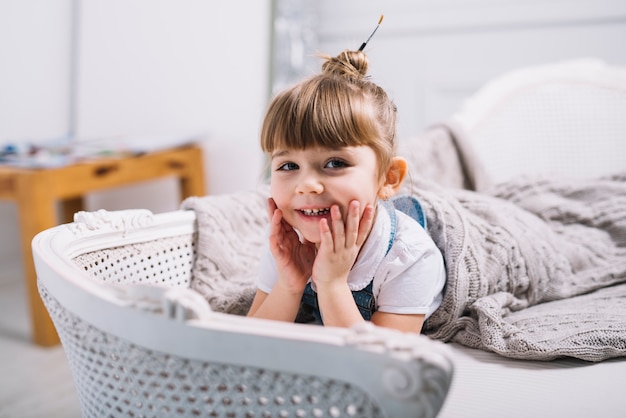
(370, 37)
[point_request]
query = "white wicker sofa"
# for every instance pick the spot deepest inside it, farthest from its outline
(140, 342)
(124, 288)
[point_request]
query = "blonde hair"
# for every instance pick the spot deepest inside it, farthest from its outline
(337, 108)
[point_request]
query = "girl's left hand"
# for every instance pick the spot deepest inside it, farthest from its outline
(340, 243)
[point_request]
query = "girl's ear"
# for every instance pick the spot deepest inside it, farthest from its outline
(393, 178)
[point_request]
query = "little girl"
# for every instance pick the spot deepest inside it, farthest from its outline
(335, 247)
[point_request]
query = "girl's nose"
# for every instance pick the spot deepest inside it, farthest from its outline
(310, 183)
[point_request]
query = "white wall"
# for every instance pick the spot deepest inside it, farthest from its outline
(146, 69)
(431, 54)
(34, 82)
(34, 69)
(178, 68)
(166, 68)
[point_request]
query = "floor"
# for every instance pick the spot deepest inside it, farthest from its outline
(34, 382)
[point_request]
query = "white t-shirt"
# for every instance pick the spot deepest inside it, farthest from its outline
(409, 279)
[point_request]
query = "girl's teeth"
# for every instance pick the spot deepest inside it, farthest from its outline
(313, 212)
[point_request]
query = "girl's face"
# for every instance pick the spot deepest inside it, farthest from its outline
(306, 183)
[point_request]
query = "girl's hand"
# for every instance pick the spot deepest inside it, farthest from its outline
(340, 244)
(294, 259)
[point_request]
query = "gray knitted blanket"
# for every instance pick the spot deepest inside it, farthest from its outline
(536, 267)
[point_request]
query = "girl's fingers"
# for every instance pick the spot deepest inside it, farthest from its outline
(352, 223)
(338, 227)
(275, 220)
(343, 235)
(353, 230)
(365, 224)
(276, 233)
(280, 231)
(326, 237)
(271, 208)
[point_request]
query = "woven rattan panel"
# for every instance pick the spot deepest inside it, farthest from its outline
(166, 261)
(116, 378)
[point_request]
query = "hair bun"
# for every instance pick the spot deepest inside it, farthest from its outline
(352, 64)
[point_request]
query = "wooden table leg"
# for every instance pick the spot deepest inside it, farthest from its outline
(69, 207)
(192, 179)
(37, 212)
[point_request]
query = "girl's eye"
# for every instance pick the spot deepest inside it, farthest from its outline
(335, 163)
(287, 167)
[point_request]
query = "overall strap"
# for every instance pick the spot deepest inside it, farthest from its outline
(410, 206)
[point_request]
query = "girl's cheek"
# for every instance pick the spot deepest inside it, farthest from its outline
(275, 190)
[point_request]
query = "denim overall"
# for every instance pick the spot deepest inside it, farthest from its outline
(364, 298)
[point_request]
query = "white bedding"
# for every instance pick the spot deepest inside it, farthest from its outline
(487, 385)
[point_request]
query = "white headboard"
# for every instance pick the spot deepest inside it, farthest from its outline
(565, 118)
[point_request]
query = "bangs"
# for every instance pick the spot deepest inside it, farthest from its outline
(323, 112)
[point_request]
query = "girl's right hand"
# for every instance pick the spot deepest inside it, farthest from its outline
(294, 259)
(341, 242)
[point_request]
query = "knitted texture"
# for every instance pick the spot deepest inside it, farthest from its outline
(444, 154)
(230, 241)
(532, 266)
